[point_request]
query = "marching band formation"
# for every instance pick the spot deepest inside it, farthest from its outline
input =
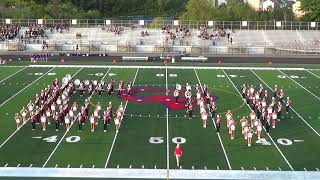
(53, 105)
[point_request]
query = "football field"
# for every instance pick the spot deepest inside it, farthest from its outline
(152, 125)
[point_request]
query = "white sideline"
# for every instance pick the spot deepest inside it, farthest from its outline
(313, 73)
(154, 173)
(13, 74)
(115, 136)
(64, 135)
(290, 107)
(169, 67)
(300, 85)
(263, 127)
(26, 87)
(218, 134)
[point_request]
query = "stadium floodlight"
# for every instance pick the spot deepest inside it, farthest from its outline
(74, 22)
(141, 22)
(108, 22)
(313, 24)
(8, 21)
(244, 23)
(176, 22)
(210, 23)
(40, 21)
(278, 24)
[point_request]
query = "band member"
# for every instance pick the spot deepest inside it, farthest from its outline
(67, 122)
(279, 109)
(30, 108)
(117, 123)
(129, 88)
(18, 120)
(81, 119)
(100, 88)
(188, 87)
(218, 122)
(274, 119)
(250, 134)
(109, 109)
(188, 95)
(24, 113)
(82, 88)
(189, 110)
(49, 114)
(198, 96)
(245, 131)
(229, 117)
(259, 129)
(213, 108)
(34, 121)
(205, 90)
(243, 90)
(204, 117)
(90, 88)
(92, 122)
(232, 128)
(58, 120)
(106, 119)
(281, 95)
(109, 89)
(178, 154)
(43, 121)
(275, 91)
(261, 91)
(243, 123)
(176, 95)
(288, 105)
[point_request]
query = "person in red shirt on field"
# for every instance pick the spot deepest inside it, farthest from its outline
(177, 154)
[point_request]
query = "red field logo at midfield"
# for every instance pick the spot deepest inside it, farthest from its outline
(166, 100)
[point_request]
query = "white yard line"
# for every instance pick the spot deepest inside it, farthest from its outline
(54, 150)
(13, 97)
(115, 136)
(299, 85)
(169, 67)
(13, 74)
(290, 107)
(313, 74)
(168, 159)
(263, 127)
(26, 87)
(218, 134)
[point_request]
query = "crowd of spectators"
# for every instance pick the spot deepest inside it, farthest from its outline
(204, 33)
(114, 29)
(180, 34)
(9, 32)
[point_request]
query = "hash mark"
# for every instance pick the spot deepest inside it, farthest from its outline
(30, 165)
(218, 168)
(118, 166)
(18, 165)
(305, 169)
(242, 168)
(130, 166)
(255, 168)
(93, 166)
(193, 167)
(81, 166)
(56, 166)
(180, 167)
(205, 167)
(142, 166)
(267, 168)
(317, 169)
(280, 169)
(155, 167)
(5, 165)
(68, 165)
